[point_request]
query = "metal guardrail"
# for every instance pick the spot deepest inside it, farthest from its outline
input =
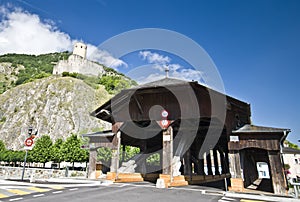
(296, 186)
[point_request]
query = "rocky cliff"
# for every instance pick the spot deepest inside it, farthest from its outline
(57, 106)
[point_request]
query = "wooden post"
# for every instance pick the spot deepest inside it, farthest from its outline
(235, 164)
(277, 173)
(222, 162)
(143, 149)
(92, 163)
(237, 182)
(216, 162)
(226, 162)
(115, 153)
(187, 163)
(208, 162)
(167, 150)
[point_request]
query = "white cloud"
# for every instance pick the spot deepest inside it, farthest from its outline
(23, 32)
(175, 70)
(154, 57)
(104, 57)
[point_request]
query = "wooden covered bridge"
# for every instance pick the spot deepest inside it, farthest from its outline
(201, 136)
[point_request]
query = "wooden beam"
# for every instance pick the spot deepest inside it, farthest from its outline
(167, 150)
(92, 163)
(277, 173)
(235, 164)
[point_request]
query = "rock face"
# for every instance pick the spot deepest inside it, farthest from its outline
(54, 106)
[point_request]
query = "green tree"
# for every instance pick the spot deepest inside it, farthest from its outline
(2, 146)
(104, 155)
(57, 153)
(72, 150)
(41, 151)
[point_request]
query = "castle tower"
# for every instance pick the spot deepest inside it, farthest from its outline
(80, 49)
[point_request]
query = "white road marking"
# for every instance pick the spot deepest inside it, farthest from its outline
(56, 192)
(15, 199)
(73, 189)
(38, 195)
(228, 199)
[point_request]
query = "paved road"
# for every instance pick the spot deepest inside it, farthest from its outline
(122, 192)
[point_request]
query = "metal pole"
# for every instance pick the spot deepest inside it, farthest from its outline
(171, 151)
(24, 164)
(118, 153)
(225, 179)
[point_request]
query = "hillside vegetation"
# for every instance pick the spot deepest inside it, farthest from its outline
(17, 69)
(57, 106)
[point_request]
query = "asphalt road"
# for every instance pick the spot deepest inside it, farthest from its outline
(122, 193)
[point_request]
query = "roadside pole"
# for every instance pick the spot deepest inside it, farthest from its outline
(24, 164)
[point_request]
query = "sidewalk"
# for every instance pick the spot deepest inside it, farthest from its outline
(261, 197)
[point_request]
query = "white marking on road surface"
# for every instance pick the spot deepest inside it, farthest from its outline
(229, 199)
(56, 192)
(73, 189)
(15, 199)
(38, 195)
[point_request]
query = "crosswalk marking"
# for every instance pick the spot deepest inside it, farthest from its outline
(38, 189)
(18, 191)
(56, 187)
(3, 195)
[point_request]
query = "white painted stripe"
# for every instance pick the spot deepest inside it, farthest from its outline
(73, 189)
(229, 199)
(38, 195)
(15, 199)
(56, 192)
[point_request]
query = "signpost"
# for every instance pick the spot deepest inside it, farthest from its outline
(28, 146)
(28, 142)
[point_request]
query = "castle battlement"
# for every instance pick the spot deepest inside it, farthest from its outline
(77, 63)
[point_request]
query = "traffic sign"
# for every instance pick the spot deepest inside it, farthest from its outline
(164, 113)
(164, 123)
(28, 142)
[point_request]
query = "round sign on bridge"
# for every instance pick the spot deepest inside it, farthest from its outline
(28, 142)
(164, 113)
(164, 123)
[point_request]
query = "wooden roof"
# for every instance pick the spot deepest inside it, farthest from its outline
(259, 129)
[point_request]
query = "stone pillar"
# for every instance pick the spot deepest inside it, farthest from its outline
(208, 162)
(277, 173)
(167, 150)
(92, 163)
(216, 162)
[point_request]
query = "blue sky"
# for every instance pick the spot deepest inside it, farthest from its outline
(254, 44)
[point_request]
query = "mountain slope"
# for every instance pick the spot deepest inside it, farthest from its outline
(57, 106)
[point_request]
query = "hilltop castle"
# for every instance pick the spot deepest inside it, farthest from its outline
(77, 63)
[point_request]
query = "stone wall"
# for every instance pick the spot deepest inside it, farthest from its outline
(38, 173)
(78, 64)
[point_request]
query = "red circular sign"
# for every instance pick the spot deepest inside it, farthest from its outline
(28, 142)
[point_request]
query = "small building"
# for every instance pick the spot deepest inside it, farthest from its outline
(201, 136)
(291, 157)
